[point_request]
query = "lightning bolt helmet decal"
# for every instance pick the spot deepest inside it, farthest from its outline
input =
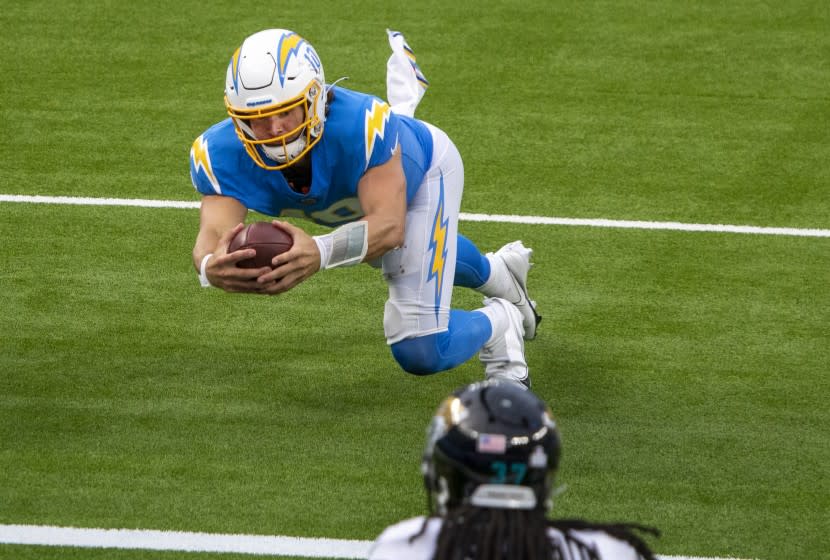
(288, 46)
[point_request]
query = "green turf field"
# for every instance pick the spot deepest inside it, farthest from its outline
(688, 371)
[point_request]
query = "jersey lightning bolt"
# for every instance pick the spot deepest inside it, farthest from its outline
(200, 157)
(376, 118)
(438, 244)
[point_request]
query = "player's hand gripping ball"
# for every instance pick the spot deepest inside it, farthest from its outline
(267, 239)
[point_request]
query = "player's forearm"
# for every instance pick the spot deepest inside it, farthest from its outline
(205, 244)
(217, 215)
(385, 234)
(382, 194)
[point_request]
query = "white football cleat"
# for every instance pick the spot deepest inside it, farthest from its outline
(504, 355)
(510, 282)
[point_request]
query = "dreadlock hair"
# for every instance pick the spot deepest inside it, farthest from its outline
(475, 533)
(487, 534)
(626, 532)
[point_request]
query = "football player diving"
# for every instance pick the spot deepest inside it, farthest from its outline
(491, 455)
(389, 186)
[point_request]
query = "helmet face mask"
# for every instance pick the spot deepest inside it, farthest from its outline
(491, 444)
(273, 72)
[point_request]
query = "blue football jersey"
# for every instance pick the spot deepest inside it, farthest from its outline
(360, 132)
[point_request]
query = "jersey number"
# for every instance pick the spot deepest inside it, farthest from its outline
(341, 212)
(500, 470)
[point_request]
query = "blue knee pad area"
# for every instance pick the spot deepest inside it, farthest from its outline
(425, 355)
(472, 269)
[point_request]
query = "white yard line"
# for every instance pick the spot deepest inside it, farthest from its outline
(541, 220)
(636, 224)
(263, 545)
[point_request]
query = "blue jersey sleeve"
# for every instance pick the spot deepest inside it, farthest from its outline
(219, 165)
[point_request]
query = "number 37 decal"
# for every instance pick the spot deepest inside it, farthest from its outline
(508, 473)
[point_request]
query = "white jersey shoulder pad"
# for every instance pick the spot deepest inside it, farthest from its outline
(394, 543)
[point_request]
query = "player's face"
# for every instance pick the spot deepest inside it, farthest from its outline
(279, 124)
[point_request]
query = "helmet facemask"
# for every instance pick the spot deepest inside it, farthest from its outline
(286, 148)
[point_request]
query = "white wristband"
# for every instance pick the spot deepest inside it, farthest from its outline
(203, 279)
(345, 246)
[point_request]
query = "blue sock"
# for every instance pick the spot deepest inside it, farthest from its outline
(472, 269)
(423, 355)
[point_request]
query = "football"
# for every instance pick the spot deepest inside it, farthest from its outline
(267, 239)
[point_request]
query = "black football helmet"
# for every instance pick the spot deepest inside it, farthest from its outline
(491, 444)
